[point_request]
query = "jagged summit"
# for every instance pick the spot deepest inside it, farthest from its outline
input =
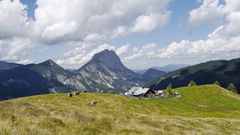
(105, 53)
(108, 58)
(106, 69)
(50, 64)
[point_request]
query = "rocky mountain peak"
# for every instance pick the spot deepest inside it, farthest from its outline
(108, 58)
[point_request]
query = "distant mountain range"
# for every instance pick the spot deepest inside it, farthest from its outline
(205, 73)
(171, 67)
(167, 68)
(151, 74)
(104, 71)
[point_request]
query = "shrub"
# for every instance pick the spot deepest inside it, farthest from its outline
(192, 83)
(169, 90)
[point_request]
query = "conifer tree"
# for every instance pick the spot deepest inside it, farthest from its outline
(232, 87)
(217, 83)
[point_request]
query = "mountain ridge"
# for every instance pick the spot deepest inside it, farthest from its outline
(166, 68)
(152, 73)
(104, 71)
(7, 65)
(108, 66)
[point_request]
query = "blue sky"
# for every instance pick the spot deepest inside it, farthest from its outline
(167, 29)
(31, 6)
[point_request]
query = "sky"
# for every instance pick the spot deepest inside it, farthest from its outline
(144, 33)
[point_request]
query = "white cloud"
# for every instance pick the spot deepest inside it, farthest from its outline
(61, 22)
(14, 31)
(208, 11)
(211, 10)
(15, 50)
(222, 43)
(122, 50)
(13, 19)
(97, 19)
(86, 24)
(94, 37)
(147, 23)
(203, 49)
(145, 52)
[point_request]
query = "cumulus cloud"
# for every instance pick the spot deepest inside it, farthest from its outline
(85, 25)
(226, 36)
(222, 43)
(15, 50)
(92, 38)
(14, 30)
(122, 50)
(89, 22)
(13, 19)
(147, 23)
(211, 10)
(208, 11)
(147, 51)
(97, 19)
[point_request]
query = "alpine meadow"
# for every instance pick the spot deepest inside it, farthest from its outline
(119, 67)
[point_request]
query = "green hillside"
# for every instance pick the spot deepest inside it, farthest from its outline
(204, 109)
(223, 71)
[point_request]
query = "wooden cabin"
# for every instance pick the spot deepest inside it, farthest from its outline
(141, 92)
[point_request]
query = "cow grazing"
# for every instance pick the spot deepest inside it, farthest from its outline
(70, 94)
(93, 103)
(76, 93)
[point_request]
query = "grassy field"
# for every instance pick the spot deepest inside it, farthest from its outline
(205, 109)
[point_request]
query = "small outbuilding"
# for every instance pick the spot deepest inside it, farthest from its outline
(140, 92)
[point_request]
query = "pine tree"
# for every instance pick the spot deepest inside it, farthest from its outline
(232, 87)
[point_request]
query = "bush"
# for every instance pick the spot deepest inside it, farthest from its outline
(192, 83)
(169, 90)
